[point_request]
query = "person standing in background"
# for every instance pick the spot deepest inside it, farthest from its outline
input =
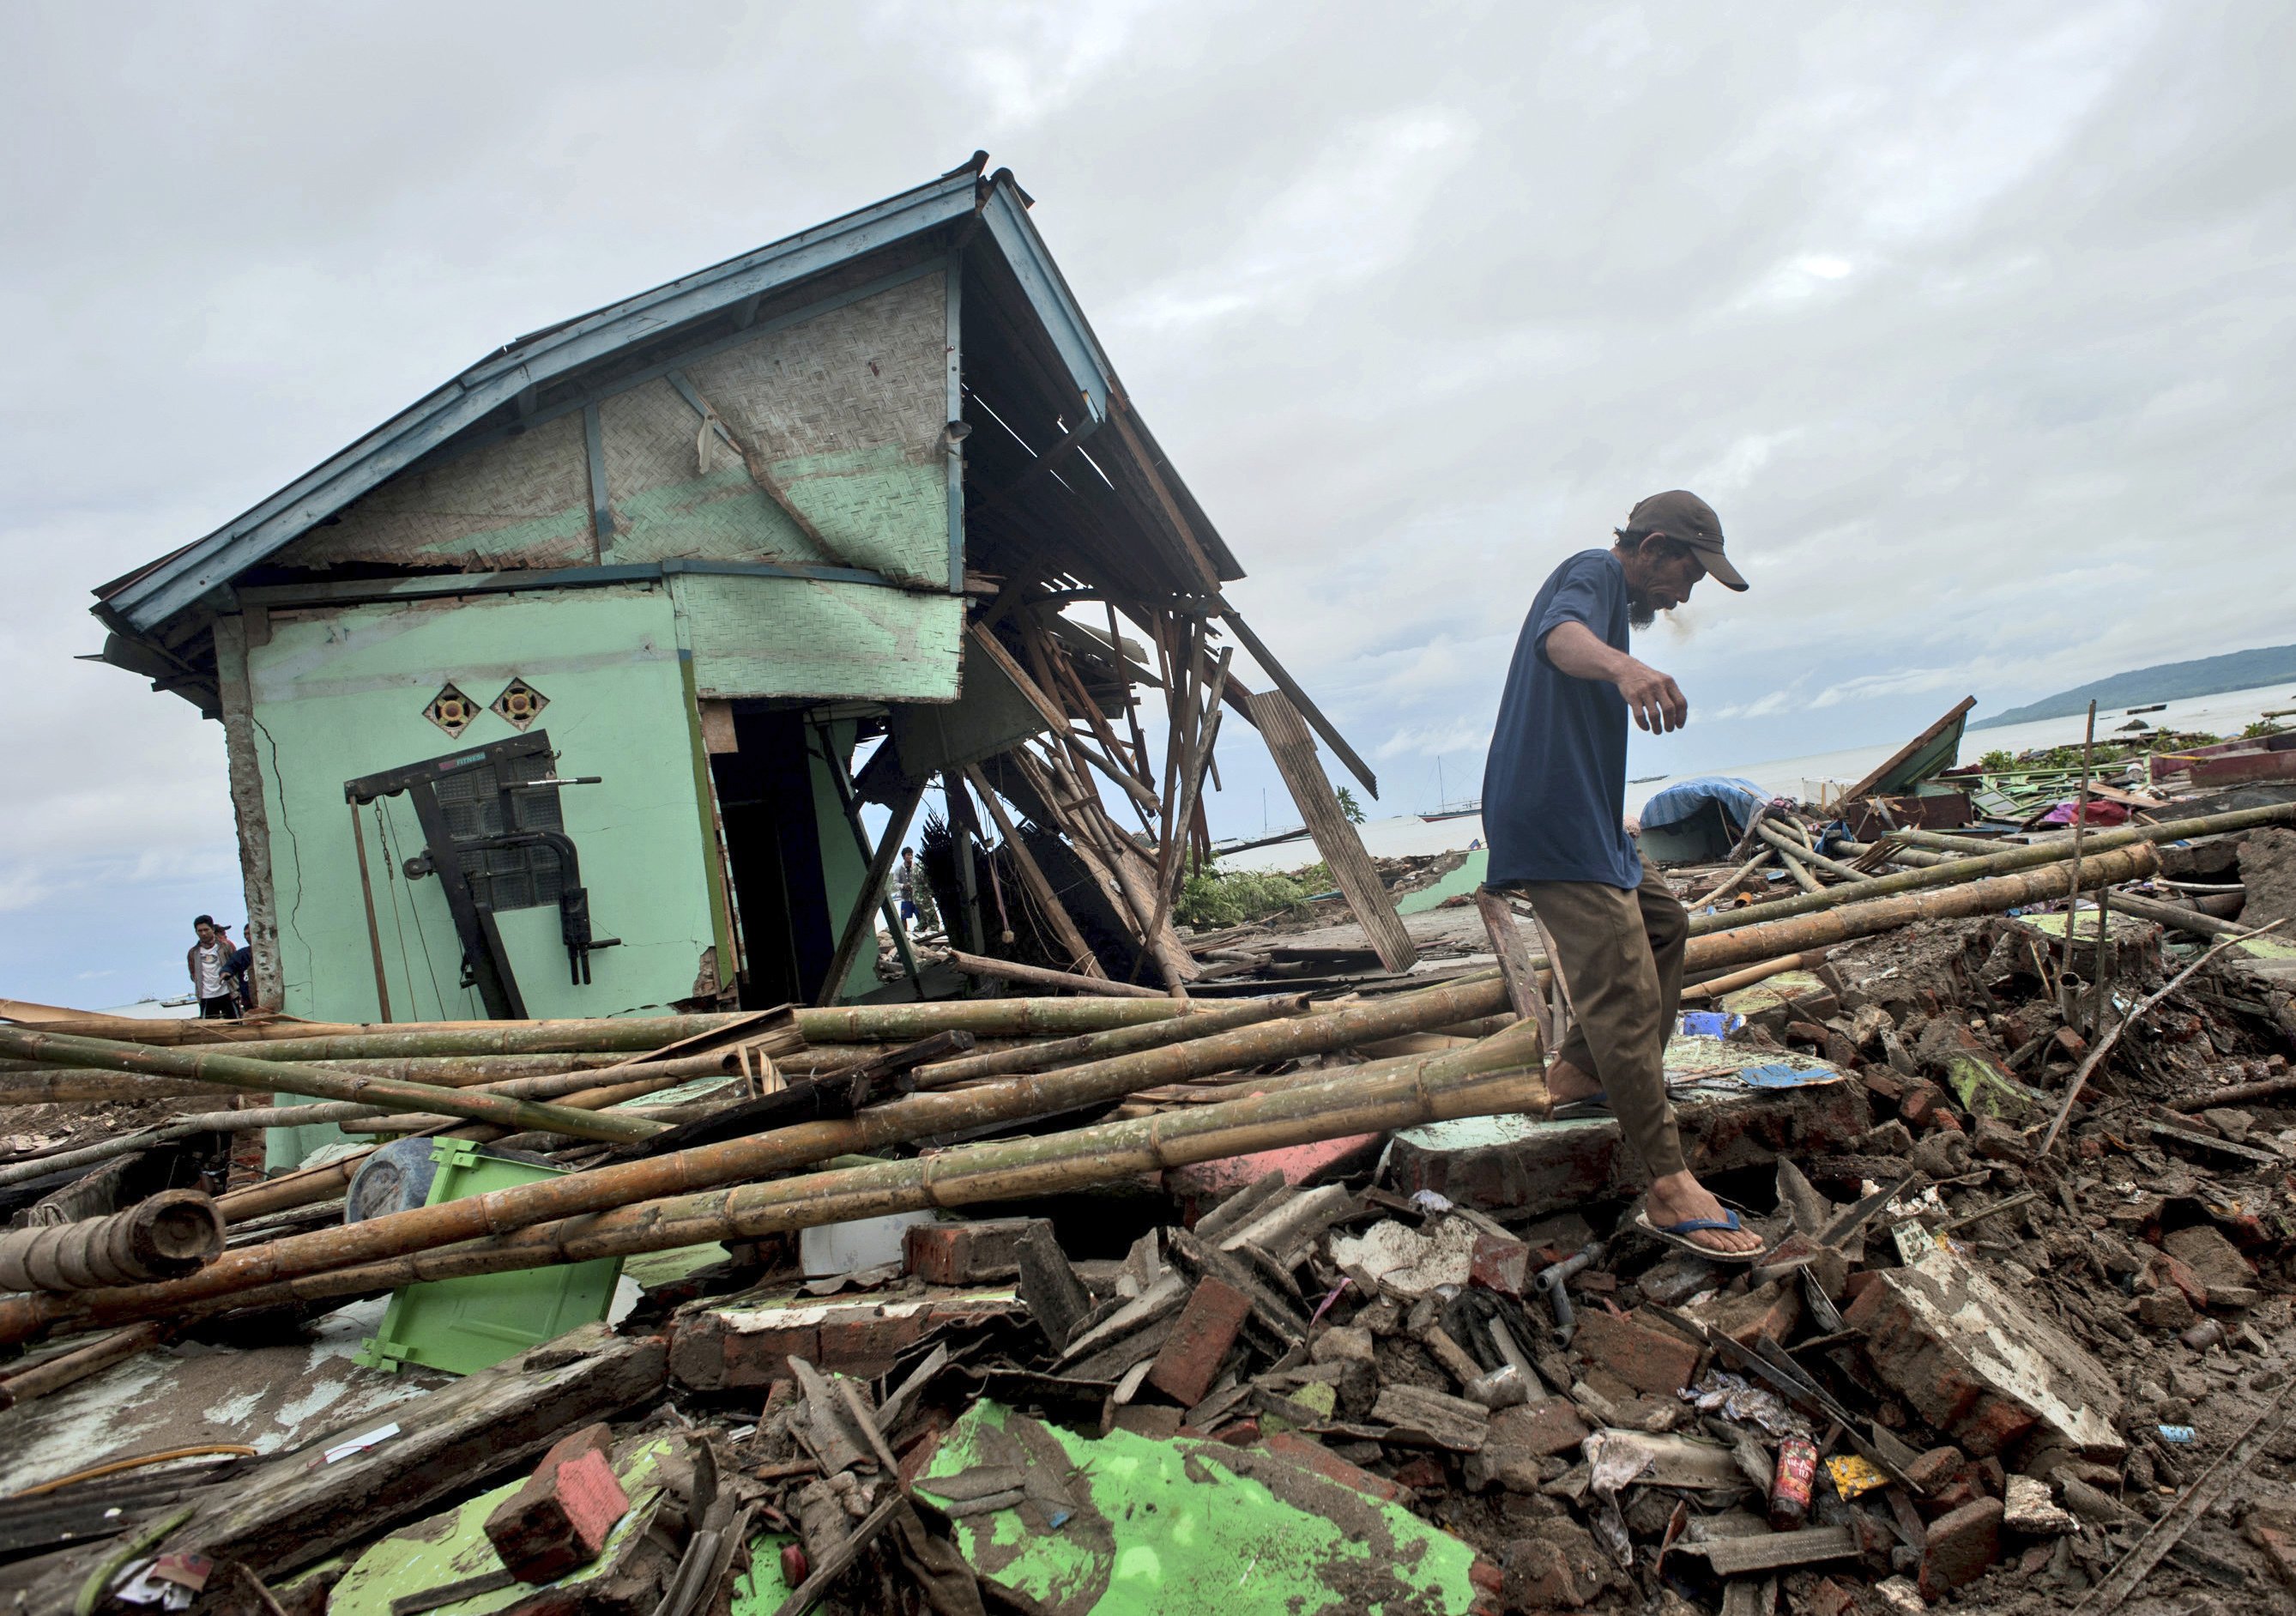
(208, 961)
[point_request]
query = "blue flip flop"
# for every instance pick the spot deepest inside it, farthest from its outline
(1679, 1234)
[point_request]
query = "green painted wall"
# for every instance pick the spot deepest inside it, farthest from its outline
(795, 636)
(338, 692)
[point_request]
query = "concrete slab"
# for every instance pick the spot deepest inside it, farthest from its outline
(269, 1397)
(1522, 1166)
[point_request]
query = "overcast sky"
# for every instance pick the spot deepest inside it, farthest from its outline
(1972, 323)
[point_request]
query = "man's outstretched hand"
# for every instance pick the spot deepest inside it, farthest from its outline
(1655, 699)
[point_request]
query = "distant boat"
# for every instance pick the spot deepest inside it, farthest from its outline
(1644, 779)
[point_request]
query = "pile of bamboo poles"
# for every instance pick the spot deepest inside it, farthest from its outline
(1261, 1072)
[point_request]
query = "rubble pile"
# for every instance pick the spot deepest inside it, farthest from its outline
(1293, 1297)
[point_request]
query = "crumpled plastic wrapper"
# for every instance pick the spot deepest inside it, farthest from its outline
(1735, 1397)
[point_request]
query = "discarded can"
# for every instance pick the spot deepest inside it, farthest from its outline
(1790, 1492)
(2178, 1434)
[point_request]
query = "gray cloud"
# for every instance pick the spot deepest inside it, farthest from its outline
(1970, 320)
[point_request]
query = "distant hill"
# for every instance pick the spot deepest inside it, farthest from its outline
(2167, 682)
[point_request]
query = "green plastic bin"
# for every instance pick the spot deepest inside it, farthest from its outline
(463, 1325)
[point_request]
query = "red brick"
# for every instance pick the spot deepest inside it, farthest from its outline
(560, 1517)
(1961, 1546)
(2279, 1546)
(1923, 1107)
(958, 1253)
(1190, 1360)
(1934, 1469)
(1551, 1426)
(1499, 1265)
(1422, 1472)
(716, 1348)
(2167, 1270)
(1768, 1311)
(1648, 1357)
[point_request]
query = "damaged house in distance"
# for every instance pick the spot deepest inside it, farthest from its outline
(544, 698)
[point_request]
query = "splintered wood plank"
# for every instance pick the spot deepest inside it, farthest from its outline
(1294, 751)
(1508, 942)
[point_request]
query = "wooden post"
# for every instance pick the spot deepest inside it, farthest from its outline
(373, 932)
(1081, 958)
(858, 924)
(1515, 961)
(1294, 751)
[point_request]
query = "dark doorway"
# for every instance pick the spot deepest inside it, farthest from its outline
(773, 842)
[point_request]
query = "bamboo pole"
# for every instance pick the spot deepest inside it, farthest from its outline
(2182, 919)
(1037, 976)
(928, 1115)
(2069, 995)
(843, 1024)
(1729, 882)
(922, 1115)
(1751, 974)
(2008, 860)
(69, 1368)
(237, 1071)
(1122, 1040)
(1789, 847)
(1497, 1074)
(342, 1113)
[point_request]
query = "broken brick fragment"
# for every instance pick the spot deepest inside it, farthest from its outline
(1934, 1469)
(1960, 1546)
(1499, 1265)
(963, 1253)
(561, 1517)
(1191, 1356)
(1648, 1357)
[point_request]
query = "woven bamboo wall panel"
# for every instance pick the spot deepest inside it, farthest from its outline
(849, 408)
(675, 491)
(786, 636)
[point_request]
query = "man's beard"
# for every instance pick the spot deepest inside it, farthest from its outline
(1640, 612)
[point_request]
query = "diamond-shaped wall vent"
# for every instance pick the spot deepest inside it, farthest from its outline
(520, 703)
(451, 710)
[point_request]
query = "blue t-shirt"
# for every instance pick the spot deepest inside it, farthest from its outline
(1554, 785)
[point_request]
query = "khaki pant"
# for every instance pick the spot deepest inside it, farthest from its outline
(1620, 958)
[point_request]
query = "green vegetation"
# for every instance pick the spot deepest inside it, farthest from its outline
(2262, 727)
(1350, 806)
(1210, 901)
(2104, 752)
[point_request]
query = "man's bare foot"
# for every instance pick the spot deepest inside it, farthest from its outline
(1679, 1198)
(1566, 1083)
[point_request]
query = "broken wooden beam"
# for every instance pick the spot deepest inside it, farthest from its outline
(1294, 751)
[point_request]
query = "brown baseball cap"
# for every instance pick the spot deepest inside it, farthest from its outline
(1681, 515)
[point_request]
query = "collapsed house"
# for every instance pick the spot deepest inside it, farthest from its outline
(1257, 1273)
(543, 698)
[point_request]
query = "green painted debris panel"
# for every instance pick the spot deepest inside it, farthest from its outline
(464, 1326)
(1126, 1525)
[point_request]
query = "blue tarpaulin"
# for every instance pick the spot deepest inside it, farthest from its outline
(1739, 800)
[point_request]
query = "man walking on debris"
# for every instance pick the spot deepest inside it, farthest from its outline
(1555, 793)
